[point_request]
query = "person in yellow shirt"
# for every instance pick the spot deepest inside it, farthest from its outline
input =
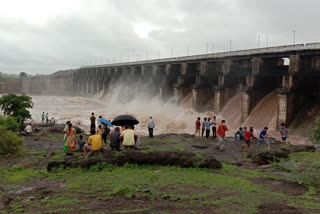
(94, 143)
(128, 136)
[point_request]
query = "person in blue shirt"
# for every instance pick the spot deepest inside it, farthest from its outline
(264, 138)
(208, 124)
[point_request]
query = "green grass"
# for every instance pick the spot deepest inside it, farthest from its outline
(132, 211)
(17, 174)
(178, 147)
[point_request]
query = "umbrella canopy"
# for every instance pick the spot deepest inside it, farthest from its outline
(105, 121)
(123, 120)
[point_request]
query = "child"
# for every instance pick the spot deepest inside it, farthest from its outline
(100, 130)
(264, 138)
(247, 139)
(81, 143)
(239, 134)
(284, 134)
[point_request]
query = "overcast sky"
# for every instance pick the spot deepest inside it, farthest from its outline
(43, 36)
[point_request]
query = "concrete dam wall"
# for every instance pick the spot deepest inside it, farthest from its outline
(280, 81)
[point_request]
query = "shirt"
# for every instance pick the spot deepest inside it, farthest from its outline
(214, 122)
(203, 124)
(93, 120)
(284, 132)
(114, 139)
(100, 131)
(81, 144)
(28, 129)
(240, 133)
(95, 141)
(47, 117)
(262, 133)
(222, 130)
(198, 124)
(128, 137)
(42, 116)
(150, 124)
(208, 125)
(247, 135)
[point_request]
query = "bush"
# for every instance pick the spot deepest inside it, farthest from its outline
(10, 142)
(10, 123)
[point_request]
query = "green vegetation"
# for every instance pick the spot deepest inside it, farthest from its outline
(9, 123)
(10, 142)
(315, 137)
(16, 106)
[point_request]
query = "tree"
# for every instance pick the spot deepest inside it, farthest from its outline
(315, 137)
(23, 74)
(16, 106)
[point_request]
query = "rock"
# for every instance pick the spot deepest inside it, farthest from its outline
(302, 148)
(267, 166)
(57, 128)
(176, 158)
(28, 199)
(23, 133)
(36, 129)
(263, 158)
(199, 147)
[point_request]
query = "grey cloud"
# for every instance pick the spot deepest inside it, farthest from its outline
(97, 31)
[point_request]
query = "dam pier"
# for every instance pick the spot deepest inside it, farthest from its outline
(291, 72)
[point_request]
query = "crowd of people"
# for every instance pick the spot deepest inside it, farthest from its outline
(243, 134)
(128, 137)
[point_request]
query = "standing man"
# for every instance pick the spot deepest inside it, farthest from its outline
(47, 118)
(203, 126)
(264, 138)
(208, 124)
(214, 128)
(284, 134)
(42, 118)
(150, 126)
(198, 124)
(93, 122)
(221, 135)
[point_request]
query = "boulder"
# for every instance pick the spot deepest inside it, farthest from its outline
(263, 158)
(302, 148)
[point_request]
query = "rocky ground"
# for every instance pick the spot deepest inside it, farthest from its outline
(166, 175)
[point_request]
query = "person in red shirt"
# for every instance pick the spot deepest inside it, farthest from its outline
(198, 125)
(247, 139)
(221, 132)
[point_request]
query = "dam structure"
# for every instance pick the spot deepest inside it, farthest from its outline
(291, 72)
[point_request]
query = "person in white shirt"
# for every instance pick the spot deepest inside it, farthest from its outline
(28, 129)
(150, 126)
(52, 121)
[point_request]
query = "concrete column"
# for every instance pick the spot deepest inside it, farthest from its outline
(282, 109)
(203, 68)
(288, 104)
(168, 68)
(295, 64)
(184, 68)
(94, 87)
(88, 88)
(245, 106)
(218, 100)
(195, 98)
(225, 68)
(256, 65)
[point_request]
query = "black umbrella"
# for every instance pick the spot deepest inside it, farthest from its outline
(123, 120)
